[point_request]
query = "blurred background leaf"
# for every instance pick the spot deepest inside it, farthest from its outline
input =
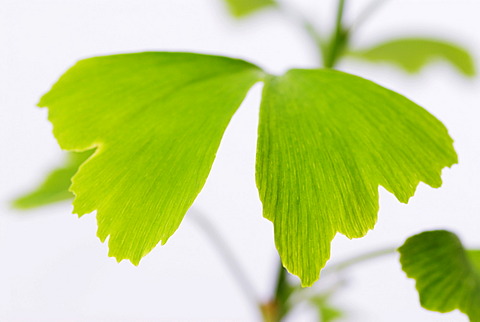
(242, 8)
(413, 54)
(326, 312)
(55, 186)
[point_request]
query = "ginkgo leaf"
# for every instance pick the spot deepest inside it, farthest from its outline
(447, 276)
(412, 54)
(327, 140)
(55, 186)
(241, 8)
(156, 120)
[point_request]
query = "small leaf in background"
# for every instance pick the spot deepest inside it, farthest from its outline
(55, 186)
(156, 120)
(327, 140)
(326, 311)
(413, 54)
(447, 276)
(242, 8)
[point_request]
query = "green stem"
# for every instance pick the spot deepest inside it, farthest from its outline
(281, 280)
(333, 51)
(277, 307)
(282, 291)
(336, 268)
(339, 20)
(227, 255)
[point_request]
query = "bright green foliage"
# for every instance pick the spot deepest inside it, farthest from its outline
(447, 276)
(412, 54)
(55, 186)
(327, 140)
(156, 121)
(241, 8)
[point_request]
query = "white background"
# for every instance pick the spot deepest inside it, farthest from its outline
(53, 268)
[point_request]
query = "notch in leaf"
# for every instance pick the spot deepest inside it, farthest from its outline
(413, 54)
(447, 275)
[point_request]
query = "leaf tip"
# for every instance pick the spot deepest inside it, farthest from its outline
(308, 283)
(20, 203)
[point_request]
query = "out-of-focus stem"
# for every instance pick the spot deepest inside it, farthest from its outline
(228, 257)
(336, 268)
(333, 52)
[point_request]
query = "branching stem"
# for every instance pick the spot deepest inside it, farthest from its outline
(333, 52)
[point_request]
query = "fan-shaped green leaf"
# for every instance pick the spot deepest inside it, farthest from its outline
(241, 8)
(55, 186)
(156, 121)
(447, 276)
(327, 140)
(412, 54)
